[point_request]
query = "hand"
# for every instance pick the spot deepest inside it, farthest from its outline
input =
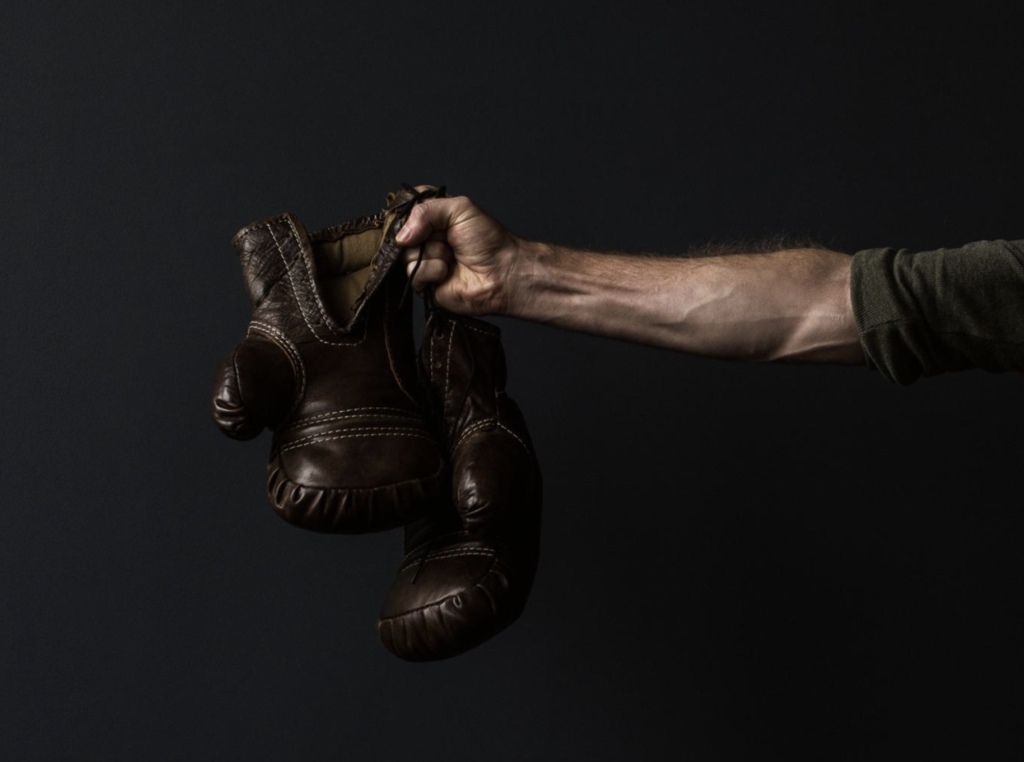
(468, 256)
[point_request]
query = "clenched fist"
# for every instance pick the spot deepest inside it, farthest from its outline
(469, 257)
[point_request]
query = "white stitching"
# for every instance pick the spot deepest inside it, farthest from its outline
(288, 272)
(448, 370)
(481, 424)
(433, 340)
(295, 293)
(516, 436)
(493, 333)
(470, 429)
(354, 436)
(485, 554)
(287, 345)
(311, 437)
(449, 554)
(332, 419)
(309, 274)
(401, 418)
(290, 351)
(439, 603)
(238, 377)
(311, 418)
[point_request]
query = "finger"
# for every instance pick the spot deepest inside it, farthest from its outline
(412, 253)
(431, 250)
(431, 216)
(430, 271)
(438, 250)
(438, 235)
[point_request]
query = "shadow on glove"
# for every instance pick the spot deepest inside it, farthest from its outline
(469, 566)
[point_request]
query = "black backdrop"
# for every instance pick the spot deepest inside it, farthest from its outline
(740, 562)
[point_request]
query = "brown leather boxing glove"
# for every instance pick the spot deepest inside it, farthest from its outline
(469, 567)
(329, 365)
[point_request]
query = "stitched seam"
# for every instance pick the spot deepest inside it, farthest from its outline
(433, 340)
(443, 600)
(295, 293)
(359, 324)
(492, 333)
(516, 436)
(244, 232)
(291, 352)
(291, 281)
(309, 274)
(452, 552)
(318, 416)
(414, 564)
(475, 427)
(313, 437)
(355, 436)
(448, 369)
(484, 553)
(238, 377)
(408, 418)
(279, 468)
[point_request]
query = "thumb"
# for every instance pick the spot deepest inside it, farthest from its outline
(435, 215)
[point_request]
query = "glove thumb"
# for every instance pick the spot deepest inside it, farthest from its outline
(494, 475)
(253, 389)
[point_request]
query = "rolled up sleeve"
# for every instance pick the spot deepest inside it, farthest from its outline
(929, 312)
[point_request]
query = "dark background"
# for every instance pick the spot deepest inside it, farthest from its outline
(740, 562)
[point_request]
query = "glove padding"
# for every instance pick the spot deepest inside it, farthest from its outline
(468, 567)
(329, 365)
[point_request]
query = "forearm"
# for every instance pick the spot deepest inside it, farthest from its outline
(786, 305)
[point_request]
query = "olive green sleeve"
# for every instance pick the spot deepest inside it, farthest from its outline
(930, 312)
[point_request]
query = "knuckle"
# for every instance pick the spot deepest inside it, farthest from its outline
(428, 209)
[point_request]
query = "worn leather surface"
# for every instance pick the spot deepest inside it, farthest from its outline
(469, 566)
(352, 451)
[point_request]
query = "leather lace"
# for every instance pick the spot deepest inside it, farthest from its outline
(415, 198)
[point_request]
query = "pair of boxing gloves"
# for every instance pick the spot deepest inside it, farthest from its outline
(370, 435)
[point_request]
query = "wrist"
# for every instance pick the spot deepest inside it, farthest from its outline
(521, 277)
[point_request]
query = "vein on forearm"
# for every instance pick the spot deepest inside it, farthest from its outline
(788, 304)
